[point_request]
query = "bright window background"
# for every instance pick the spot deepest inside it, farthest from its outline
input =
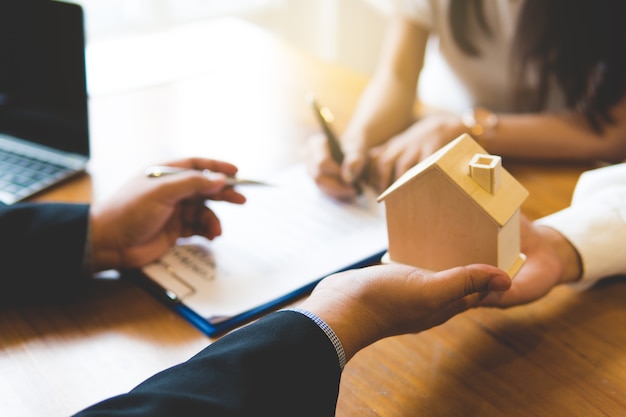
(348, 32)
(345, 31)
(116, 17)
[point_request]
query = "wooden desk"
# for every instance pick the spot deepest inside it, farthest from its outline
(562, 355)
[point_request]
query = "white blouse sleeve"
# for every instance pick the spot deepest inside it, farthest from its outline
(595, 223)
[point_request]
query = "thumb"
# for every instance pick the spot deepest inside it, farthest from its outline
(462, 281)
(353, 166)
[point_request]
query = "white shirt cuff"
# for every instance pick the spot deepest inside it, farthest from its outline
(595, 223)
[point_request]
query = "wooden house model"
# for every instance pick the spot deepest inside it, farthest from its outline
(457, 207)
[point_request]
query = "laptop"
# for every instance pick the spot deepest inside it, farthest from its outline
(44, 132)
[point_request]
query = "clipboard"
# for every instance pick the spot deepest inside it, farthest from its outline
(273, 250)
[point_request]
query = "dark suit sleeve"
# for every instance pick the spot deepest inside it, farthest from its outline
(41, 249)
(281, 365)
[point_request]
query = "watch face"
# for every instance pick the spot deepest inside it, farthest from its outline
(480, 121)
(487, 119)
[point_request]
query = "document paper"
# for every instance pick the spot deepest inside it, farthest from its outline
(286, 236)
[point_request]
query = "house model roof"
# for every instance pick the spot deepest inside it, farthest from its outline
(453, 161)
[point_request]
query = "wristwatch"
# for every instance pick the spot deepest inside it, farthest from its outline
(480, 122)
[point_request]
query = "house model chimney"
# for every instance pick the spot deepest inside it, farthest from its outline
(485, 171)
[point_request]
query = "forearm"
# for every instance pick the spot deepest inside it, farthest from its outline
(385, 109)
(555, 136)
(388, 103)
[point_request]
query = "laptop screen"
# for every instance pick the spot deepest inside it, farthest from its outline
(43, 95)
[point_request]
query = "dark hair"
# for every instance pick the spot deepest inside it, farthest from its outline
(580, 44)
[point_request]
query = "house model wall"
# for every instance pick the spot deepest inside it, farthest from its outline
(457, 207)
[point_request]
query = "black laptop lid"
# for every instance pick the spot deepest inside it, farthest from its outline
(43, 94)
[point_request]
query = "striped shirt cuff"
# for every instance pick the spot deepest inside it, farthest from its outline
(341, 356)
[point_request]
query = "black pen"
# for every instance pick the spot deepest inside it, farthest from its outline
(325, 118)
(162, 170)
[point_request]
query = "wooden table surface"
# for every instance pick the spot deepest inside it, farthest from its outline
(236, 92)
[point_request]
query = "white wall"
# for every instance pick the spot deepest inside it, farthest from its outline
(350, 32)
(345, 31)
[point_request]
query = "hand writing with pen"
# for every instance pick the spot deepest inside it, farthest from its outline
(338, 171)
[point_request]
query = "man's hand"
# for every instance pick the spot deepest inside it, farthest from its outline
(368, 304)
(143, 219)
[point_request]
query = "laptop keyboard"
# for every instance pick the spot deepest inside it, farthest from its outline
(21, 176)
